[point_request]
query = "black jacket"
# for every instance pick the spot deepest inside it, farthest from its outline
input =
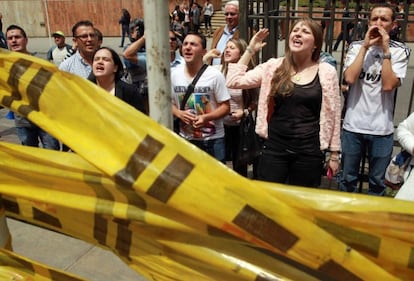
(129, 93)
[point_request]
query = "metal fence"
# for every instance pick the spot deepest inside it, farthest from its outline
(278, 16)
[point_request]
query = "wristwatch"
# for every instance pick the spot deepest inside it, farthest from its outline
(386, 56)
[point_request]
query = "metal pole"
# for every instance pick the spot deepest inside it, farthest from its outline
(48, 23)
(158, 61)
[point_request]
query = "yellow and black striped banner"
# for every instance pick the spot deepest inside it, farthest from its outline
(171, 211)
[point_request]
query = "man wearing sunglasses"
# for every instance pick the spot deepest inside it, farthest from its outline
(230, 30)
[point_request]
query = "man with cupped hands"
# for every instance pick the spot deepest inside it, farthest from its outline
(374, 69)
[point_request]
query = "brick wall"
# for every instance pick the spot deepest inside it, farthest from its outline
(31, 15)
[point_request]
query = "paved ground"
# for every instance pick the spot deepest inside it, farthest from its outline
(81, 258)
(61, 251)
(54, 249)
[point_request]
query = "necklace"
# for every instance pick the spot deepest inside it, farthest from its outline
(297, 74)
(296, 77)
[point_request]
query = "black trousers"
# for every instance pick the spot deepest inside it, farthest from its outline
(232, 143)
(291, 168)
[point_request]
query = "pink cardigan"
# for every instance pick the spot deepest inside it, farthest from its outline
(261, 76)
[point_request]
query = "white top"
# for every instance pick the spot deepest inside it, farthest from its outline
(405, 136)
(208, 9)
(59, 54)
(236, 102)
(210, 90)
(369, 109)
(405, 133)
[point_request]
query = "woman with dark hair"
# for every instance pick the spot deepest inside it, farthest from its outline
(107, 71)
(124, 21)
(299, 111)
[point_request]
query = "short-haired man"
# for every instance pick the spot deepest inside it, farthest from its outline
(373, 69)
(58, 53)
(86, 40)
(175, 58)
(231, 30)
(201, 121)
(28, 133)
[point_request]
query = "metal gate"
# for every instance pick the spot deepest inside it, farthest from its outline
(278, 16)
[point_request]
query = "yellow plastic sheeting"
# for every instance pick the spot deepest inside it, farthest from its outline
(17, 268)
(70, 200)
(153, 169)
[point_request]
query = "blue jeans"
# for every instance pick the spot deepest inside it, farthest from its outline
(379, 149)
(30, 136)
(213, 147)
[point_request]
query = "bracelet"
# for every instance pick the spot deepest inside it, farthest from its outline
(250, 50)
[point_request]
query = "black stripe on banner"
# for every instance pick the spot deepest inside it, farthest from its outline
(16, 72)
(58, 276)
(264, 228)
(104, 202)
(100, 229)
(170, 179)
(46, 218)
(338, 272)
(358, 240)
(11, 206)
(123, 238)
(411, 259)
(35, 90)
(139, 160)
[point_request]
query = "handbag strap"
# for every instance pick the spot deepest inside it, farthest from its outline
(190, 87)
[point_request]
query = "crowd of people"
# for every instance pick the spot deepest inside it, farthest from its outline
(296, 98)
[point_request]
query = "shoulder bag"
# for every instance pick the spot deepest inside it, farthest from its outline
(190, 90)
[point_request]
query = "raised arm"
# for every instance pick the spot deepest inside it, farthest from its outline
(255, 45)
(130, 53)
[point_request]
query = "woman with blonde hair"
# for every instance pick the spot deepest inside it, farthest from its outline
(242, 102)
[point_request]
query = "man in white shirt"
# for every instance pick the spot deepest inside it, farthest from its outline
(373, 69)
(201, 119)
(58, 53)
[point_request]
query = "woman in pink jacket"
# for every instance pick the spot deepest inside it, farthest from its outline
(299, 108)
